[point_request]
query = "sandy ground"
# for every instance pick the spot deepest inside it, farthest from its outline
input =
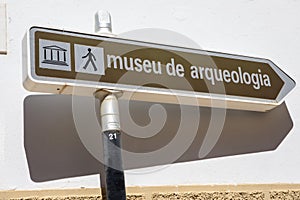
(239, 192)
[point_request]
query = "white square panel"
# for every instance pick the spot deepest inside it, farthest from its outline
(89, 59)
(54, 55)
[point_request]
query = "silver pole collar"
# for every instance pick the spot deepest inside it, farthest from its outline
(110, 118)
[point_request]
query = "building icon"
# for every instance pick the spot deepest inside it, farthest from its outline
(54, 55)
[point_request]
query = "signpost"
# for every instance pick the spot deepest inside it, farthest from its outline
(58, 61)
(64, 62)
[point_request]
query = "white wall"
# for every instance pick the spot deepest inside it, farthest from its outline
(3, 28)
(268, 29)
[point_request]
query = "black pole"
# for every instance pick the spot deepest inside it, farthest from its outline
(112, 176)
(111, 171)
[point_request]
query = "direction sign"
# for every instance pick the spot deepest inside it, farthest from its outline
(65, 62)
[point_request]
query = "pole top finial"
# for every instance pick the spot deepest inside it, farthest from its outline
(103, 23)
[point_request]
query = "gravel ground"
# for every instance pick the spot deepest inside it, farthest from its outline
(271, 195)
(192, 192)
(129, 197)
(213, 196)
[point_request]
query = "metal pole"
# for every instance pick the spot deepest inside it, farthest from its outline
(111, 173)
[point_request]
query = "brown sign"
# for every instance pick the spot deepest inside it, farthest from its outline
(60, 61)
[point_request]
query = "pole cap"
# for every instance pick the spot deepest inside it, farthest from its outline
(103, 23)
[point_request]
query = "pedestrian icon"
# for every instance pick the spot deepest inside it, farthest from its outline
(89, 59)
(54, 55)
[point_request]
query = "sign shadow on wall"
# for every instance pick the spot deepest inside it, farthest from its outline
(55, 150)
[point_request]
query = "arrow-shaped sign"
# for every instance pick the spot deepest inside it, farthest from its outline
(74, 63)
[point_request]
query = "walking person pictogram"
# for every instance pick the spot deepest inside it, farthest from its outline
(84, 56)
(91, 59)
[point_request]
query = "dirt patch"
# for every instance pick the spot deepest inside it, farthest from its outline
(211, 196)
(286, 195)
